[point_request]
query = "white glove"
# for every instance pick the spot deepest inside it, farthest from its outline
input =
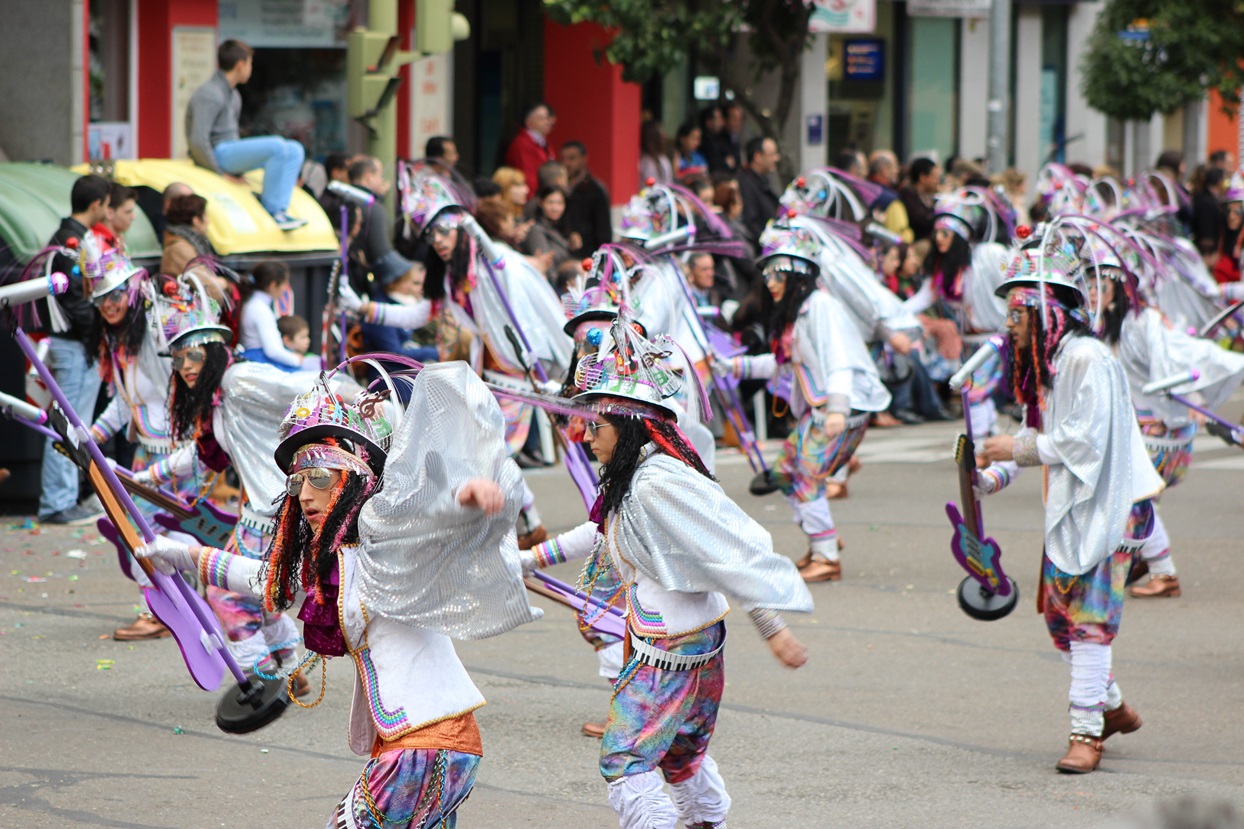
(145, 477)
(985, 485)
(551, 387)
(348, 299)
(528, 559)
(1233, 291)
(167, 555)
(726, 368)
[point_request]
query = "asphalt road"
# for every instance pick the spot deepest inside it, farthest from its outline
(908, 713)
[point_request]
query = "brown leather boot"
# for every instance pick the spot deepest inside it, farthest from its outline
(144, 627)
(1156, 588)
(1083, 754)
(1123, 720)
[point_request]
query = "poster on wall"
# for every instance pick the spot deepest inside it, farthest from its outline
(194, 62)
(300, 24)
(429, 101)
(838, 16)
(110, 139)
(948, 8)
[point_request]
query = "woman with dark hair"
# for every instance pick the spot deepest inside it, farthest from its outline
(258, 333)
(394, 533)
(819, 364)
(677, 546)
(688, 161)
(185, 235)
(546, 237)
(654, 160)
(1231, 244)
(1151, 349)
(133, 362)
(217, 411)
(1081, 429)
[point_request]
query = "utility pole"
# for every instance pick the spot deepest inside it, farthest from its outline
(998, 106)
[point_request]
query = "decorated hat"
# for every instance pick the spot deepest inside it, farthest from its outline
(1235, 190)
(627, 365)
(191, 317)
(962, 214)
(426, 194)
(792, 249)
(606, 290)
(323, 413)
(1061, 189)
(1048, 257)
(104, 271)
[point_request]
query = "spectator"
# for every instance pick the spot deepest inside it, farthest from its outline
(398, 288)
(337, 167)
(68, 357)
(497, 220)
(1207, 213)
(530, 148)
(441, 151)
(919, 194)
(547, 237)
(760, 202)
(1231, 246)
(888, 208)
(119, 215)
(295, 336)
(1223, 160)
(551, 174)
(654, 160)
(852, 162)
(184, 238)
(688, 160)
(1171, 164)
(515, 191)
(215, 142)
(171, 192)
(259, 334)
(702, 278)
(714, 144)
(733, 113)
(589, 222)
(741, 273)
(372, 244)
(1014, 187)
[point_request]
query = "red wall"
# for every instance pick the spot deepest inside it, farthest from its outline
(156, 19)
(1224, 131)
(594, 105)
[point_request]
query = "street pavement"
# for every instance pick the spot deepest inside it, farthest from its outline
(907, 714)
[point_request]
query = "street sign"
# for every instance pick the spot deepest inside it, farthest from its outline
(864, 59)
(839, 16)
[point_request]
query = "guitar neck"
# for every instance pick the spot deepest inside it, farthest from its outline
(163, 500)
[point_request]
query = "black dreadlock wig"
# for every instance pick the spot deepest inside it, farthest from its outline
(634, 433)
(1112, 315)
(300, 557)
(189, 407)
(784, 312)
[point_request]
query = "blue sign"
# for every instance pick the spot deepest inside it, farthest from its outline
(863, 60)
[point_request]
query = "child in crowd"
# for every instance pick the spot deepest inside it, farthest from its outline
(260, 336)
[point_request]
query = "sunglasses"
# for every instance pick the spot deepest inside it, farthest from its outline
(115, 295)
(318, 478)
(776, 277)
(443, 228)
(1017, 315)
(191, 355)
(594, 426)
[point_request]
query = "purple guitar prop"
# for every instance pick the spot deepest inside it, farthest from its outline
(987, 593)
(1231, 433)
(601, 617)
(178, 607)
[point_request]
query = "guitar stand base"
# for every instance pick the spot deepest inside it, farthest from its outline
(242, 710)
(763, 483)
(983, 605)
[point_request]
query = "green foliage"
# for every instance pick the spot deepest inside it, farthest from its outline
(1193, 45)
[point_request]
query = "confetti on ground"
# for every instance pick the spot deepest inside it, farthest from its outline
(34, 579)
(76, 553)
(177, 729)
(27, 524)
(104, 664)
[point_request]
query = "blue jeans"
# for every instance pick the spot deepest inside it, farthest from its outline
(280, 158)
(80, 383)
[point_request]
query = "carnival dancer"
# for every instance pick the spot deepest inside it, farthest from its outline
(1151, 349)
(1081, 428)
(227, 413)
(963, 270)
(392, 537)
(133, 362)
(480, 287)
(819, 364)
(679, 546)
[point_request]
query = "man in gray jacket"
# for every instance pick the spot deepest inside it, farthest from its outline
(215, 143)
